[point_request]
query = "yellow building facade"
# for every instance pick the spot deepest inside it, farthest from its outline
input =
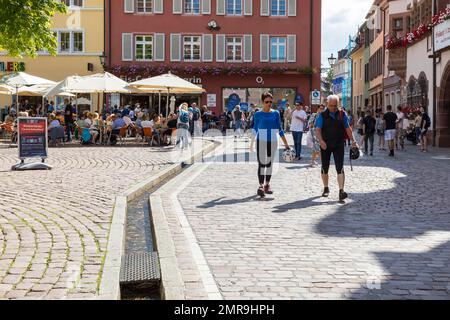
(80, 34)
(357, 57)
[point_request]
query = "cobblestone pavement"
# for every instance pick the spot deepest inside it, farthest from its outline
(390, 240)
(54, 225)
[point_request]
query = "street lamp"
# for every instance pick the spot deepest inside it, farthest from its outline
(332, 60)
(103, 59)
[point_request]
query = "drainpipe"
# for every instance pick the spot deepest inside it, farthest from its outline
(434, 79)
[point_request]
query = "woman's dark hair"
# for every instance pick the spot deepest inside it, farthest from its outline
(266, 95)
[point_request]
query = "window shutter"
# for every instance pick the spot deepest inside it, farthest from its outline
(175, 47)
(220, 7)
(264, 54)
(248, 7)
(177, 6)
(127, 47)
(206, 6)
(248, 48)
(220, 50)
(264, 7)
(129, 6)
(159, 6)
(291, 48)
(207, 48)
(159, 46)
(292, 8)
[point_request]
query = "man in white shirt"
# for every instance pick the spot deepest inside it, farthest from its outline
(400, 136)
(298, 123)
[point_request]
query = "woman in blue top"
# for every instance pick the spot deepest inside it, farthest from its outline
(266, 125)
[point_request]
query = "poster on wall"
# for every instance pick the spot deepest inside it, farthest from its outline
(211, 100)
(244, 107)
(233, 101)
(32, 138)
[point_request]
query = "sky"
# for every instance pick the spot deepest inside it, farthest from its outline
(340, 18)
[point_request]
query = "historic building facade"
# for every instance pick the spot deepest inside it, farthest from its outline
(235, 49)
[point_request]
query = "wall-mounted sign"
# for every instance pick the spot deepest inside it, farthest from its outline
(233, 101)
(315, 98)
(211, 100)
(442, 35)
(12, 66)
(259, 80)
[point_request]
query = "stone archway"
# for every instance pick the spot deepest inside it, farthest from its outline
(443, 110)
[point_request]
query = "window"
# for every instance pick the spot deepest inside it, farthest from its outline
(64, 42)
(192, 48)
(144, 47)
(77, 42)
(73, 3)
(278, 7)
(398, 24)
(234, 7)
(278, 49)
(192, 6)
(144, 6)
(70, 41)
(234, 49)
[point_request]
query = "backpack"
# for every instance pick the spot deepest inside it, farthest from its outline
(184, 117)
(196, 114)
(370, 125)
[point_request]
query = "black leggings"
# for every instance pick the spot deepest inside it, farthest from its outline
(266, 151)
(338, 155)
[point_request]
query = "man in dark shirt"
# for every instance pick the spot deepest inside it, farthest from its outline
(390, 125)
(424, 126)
(68, 119)
(369, 123)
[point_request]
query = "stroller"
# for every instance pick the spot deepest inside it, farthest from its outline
(411, 135)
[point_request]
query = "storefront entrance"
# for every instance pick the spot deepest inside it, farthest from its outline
(443, 111)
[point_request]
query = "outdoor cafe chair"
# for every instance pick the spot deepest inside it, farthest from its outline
(148, 136)
(123, 134)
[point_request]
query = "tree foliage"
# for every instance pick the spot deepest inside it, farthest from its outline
(26, 26)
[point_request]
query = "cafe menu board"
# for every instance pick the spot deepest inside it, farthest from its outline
(32, 137)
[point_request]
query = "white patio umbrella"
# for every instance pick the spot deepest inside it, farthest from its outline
(5, 89)
(21, 79)
(167, 82)
(62, 86)
(99, 83)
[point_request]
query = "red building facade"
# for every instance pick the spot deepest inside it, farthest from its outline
(234, 49)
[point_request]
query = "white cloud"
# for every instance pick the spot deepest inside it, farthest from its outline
(339, 20)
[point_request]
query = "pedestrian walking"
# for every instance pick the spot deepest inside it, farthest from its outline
(417, 123)
(359, 126)
(315, 143)
(287, 117)
(424, 126)
(183, 126)
(238, 117)
(332, 129)
(380, 131)
(267, 123)
(369, 128)
(390, 125)
(400, 136)
(68, 119)
(298, 124)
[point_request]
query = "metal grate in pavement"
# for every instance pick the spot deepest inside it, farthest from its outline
(140, 267)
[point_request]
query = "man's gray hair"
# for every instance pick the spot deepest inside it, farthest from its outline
(333, 97)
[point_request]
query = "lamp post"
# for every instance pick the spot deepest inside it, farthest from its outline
(332, 61)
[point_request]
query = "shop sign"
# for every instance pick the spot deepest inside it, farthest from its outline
(442, 35)
(12, 66)
(32, 137)
(211, 100)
